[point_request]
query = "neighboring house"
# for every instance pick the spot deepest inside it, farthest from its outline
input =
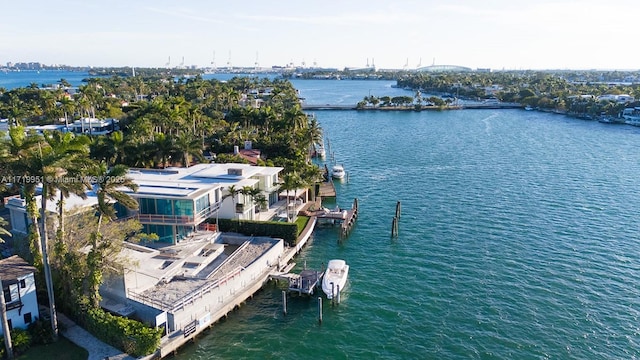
(19, 291)
(18, 212)
(174, 202)
(619, 98)
(248, 153)
(92, 126)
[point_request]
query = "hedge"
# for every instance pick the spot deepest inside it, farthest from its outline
(275, 229)
(130, 336)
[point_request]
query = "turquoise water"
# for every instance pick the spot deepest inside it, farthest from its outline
(518, 240)
(14, 79)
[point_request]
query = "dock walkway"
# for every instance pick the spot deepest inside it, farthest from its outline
(346, 218)
(327, 189)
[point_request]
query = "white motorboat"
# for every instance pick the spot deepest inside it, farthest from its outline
(335, 277)
(320, 152)
(337, 172)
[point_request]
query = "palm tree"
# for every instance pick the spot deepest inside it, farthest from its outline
(74, 167)
(232, 192)
(310, 176)
(61, 152)
(187, 145)
(251, 192)
(68, 107)
(108, 190)
(290, 181)
(165, 148)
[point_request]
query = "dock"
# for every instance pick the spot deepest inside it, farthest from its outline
(346, 218)
(350, 220)
(327, 189)
(304, 283)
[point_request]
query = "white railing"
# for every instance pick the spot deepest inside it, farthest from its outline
(178, 219)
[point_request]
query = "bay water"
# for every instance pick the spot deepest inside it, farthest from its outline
(518, 239)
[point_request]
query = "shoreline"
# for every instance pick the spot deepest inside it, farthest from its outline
(414, 107)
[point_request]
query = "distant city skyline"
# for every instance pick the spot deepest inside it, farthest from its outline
(495, 34)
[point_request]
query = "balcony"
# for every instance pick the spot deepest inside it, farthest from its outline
(14, 305)
(189, 220)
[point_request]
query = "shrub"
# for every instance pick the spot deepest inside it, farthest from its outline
(21, 341)
(131, 336)
(40, 331)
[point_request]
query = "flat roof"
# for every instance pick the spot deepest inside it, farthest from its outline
(196, 180)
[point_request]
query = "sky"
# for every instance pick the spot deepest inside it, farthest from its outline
(495, 34)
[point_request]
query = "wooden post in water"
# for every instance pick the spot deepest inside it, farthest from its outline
(398, 209)
(284, 302)
(333, 294)
(397, 226)
(320, 309)
(394, 227)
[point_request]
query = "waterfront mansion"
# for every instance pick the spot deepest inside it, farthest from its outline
(175, 202)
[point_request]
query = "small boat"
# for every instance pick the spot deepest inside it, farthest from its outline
(337, 172)
(320, 152)
(335, 277)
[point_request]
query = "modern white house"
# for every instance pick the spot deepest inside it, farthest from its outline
(175, 202)
(93, 126)
(19, 291)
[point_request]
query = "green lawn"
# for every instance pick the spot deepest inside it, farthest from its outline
(62, 349)
(301, 221)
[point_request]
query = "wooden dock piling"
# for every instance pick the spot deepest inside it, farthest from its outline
(394, 227)
(395, 221)
(284, 302)
(350, 220)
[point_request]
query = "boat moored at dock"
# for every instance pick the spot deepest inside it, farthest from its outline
(335, 278)
(337, 172)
